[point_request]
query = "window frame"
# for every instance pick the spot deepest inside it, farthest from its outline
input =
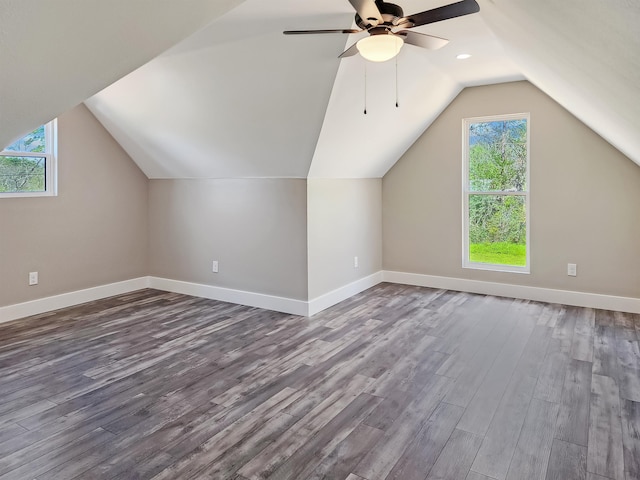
(51, 163)
(466, 192)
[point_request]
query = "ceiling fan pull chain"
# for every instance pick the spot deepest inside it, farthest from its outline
(365, 87)
(396, 81)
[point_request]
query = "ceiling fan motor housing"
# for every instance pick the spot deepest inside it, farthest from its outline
(391, 13)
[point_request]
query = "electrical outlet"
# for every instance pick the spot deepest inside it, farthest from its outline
(572, 269)
(355, 262)
(33, 278)
(214, 266)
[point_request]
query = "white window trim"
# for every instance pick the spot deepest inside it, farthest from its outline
(51, 167)
(466, 263)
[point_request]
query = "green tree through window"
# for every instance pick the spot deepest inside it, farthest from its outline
(496, 192)
(25, 165)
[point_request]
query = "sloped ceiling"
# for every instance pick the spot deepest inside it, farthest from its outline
(239, 99)
(55, 54)
(585, 54)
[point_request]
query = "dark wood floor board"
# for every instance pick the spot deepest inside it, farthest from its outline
(10, 431)
(425, 449)
(605, 356)
(477, 476)
(279, 451)
(499, 443)
(568, 461)
(391, 407)
(444, 300)
(234, 458)
(52, 458)
(593, 476)
(379, 461)
(552, 375)
(605, 456)
(157, 384)
(531, 455)
(535, 350)
(100, 399)
(411, 369)
(469, 342)
(456, 457)
(625, 325)
(477, 368)
(628, 368)
(305, 460)
(196, 452)
(525, 343)
(347, 454)
(384, 356)
(317, 388)
(549, 315)
(14, 416)
(573, 417)
(452, 329)
(565, 326)
(631, 438)
(353, 476)
(138, 446)
(66, 428)
(582, 345)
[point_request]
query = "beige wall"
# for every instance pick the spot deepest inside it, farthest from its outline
(93, 233)
(255, 228)
(585, 199)
(344, 220)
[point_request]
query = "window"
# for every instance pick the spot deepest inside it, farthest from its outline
(496, 193)
(28, 166)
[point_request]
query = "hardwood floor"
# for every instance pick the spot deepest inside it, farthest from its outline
(397, 382)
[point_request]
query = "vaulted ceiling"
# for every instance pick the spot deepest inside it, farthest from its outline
(56, 54)
(239, 99)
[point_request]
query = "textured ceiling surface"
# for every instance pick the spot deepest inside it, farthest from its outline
(239, 99)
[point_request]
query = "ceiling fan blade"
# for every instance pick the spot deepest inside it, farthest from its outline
(349, 52)
(306, 32)
(422, 40)
(368, 11)
(458, 9)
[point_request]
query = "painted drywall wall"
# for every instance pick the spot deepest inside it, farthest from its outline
(344, 221)
(585, 199)
(93, 233)
(255, 228)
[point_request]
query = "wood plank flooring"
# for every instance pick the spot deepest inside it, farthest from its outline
(397, 382)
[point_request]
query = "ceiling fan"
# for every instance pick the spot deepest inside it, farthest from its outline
(388, 27)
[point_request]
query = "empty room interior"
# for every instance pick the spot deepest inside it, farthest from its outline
(320, 239)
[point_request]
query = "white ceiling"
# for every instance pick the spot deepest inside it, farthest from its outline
(56, 54)
(239, 99)
(585, 54)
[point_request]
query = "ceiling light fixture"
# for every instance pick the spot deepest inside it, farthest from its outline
(463, 56)
(380, 48)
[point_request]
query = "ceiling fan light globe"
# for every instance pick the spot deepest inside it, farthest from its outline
(380, 48)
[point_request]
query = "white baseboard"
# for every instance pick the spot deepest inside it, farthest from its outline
(252, 299)
(565, 297)
(55, 302)
(339, 294)
(304, 308)
(269, 302)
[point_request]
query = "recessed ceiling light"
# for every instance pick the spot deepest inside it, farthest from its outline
(463, 56)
